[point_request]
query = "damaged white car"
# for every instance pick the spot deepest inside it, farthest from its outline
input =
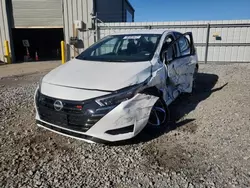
(118, 86)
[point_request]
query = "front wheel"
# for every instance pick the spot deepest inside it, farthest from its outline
(159, 115)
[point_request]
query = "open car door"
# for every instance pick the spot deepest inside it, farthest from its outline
(182, 64)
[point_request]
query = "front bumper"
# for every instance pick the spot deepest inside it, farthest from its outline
(120, 123)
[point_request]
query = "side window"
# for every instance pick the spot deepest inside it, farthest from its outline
(184, 46)
(171, 49)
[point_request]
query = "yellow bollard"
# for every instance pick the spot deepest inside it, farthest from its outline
(7, 51)
(63, 51)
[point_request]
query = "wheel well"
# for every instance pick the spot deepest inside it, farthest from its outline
(153, 91)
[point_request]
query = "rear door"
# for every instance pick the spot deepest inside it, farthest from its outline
(182, 66)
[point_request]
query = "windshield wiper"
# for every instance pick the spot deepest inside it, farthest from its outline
(112, 60)
(119, 60)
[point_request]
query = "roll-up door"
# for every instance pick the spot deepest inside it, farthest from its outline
(37, 13)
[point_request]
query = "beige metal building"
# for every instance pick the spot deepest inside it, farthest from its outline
(44, 23)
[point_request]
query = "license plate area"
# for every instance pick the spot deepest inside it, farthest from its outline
(53, 117)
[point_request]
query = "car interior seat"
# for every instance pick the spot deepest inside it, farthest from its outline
(131, 47)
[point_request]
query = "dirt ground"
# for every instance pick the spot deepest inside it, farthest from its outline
(207, 144)
(7, 70)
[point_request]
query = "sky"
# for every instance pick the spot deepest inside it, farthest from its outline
(174, 10)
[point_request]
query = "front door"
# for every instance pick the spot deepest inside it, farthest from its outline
(182, 64)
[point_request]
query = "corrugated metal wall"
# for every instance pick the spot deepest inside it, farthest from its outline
(4, 28)
(234, 45)
(37, 13)
(78, 10)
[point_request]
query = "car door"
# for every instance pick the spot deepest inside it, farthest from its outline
(172, 51)
(181, 66)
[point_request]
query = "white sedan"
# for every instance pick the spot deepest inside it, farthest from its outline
(118, 86)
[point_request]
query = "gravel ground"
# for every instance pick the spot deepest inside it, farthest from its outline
(207, 145)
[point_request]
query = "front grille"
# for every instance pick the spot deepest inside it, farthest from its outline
(71, 117)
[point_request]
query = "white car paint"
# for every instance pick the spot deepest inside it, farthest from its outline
(109, 76)
(68, 93)
(80, 80)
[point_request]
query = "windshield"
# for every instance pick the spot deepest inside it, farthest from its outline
(122, 48)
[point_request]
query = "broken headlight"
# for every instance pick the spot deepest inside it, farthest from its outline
(120, 96)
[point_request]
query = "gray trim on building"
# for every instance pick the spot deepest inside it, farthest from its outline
(127, 7)
(129, 4)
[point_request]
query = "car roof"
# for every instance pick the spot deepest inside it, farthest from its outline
(144, 31)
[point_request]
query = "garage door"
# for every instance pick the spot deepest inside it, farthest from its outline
(37, 13)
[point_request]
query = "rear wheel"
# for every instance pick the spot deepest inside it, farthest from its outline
(159, 115)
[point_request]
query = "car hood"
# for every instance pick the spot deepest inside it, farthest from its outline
(107, 76)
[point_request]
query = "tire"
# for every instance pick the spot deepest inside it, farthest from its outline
(159, 115)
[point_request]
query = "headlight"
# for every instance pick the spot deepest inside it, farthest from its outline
(121, 96)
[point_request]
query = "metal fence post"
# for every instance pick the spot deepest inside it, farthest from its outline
(207, 42)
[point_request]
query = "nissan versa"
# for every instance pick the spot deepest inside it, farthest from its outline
(118, 86)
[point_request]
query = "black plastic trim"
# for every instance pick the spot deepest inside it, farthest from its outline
(123, 130)
(152, 91)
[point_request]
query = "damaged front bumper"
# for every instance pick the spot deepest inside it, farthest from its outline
(121, 122)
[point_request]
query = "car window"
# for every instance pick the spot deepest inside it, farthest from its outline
(184, 46)
(105, 48)
(124, 45)
(171, 49)
(123, 48)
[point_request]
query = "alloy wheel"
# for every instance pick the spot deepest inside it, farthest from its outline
(158, 115)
